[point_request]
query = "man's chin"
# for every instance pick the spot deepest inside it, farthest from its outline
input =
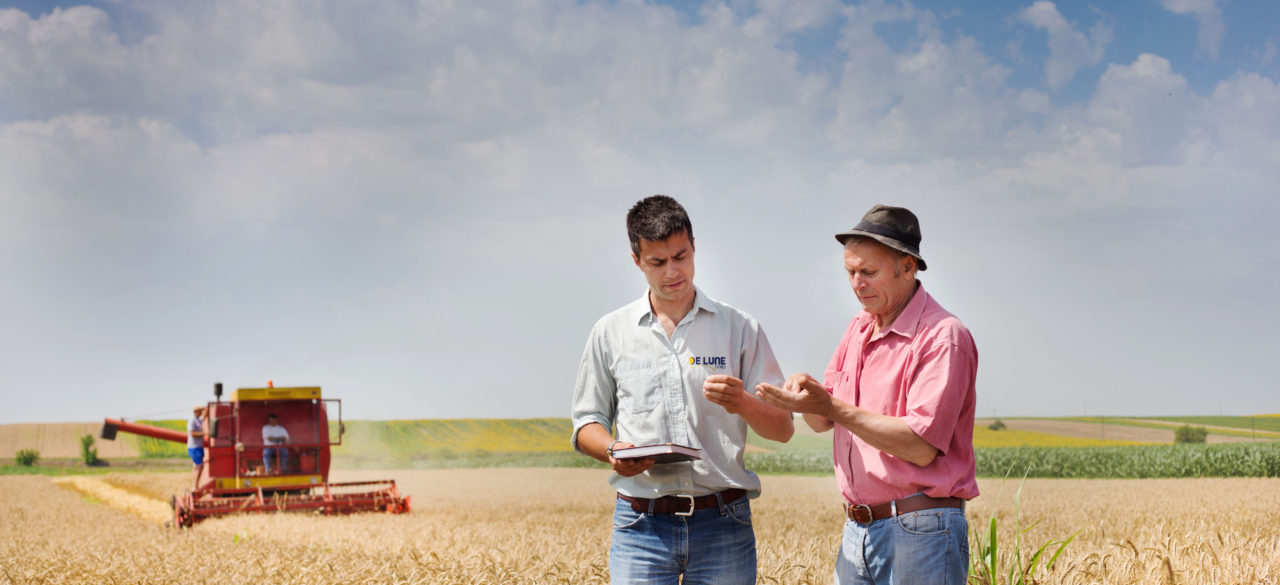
(675, 294)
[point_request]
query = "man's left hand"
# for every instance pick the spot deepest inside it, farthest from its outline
(727, 391)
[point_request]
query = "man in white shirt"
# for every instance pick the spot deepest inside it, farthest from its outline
(673, 367)
(274, 434)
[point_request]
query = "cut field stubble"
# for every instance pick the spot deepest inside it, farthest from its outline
(553, 526)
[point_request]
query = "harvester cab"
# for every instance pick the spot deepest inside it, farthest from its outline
(250, 468)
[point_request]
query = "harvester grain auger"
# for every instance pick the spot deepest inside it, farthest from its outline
(235, 479)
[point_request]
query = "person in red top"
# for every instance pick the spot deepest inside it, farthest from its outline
(900, 393)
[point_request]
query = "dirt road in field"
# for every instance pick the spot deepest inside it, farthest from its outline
(1261, 435)
(60, 440)
(1109, 432)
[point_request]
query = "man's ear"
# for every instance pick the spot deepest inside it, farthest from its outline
(635, 259)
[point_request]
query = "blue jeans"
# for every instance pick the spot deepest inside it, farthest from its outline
(279, 452)
(928, 546)
(714, 546)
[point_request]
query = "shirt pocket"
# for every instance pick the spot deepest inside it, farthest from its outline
(639, 387)
(845, 387)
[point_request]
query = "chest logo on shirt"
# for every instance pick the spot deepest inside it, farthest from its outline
(715, 362)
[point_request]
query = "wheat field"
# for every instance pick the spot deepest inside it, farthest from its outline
(552, 526)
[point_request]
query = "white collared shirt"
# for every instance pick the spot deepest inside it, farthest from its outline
(650, 387)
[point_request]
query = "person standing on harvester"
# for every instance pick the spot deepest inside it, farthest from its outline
(195, 444)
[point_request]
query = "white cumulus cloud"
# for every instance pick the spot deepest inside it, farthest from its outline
(1208, 15)
(1070, 50)
(1148, 105)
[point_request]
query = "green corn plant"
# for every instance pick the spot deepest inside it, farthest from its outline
(985, 564)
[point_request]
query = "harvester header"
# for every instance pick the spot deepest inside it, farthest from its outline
(267, 450)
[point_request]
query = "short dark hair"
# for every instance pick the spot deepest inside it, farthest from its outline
(272, 415)
(656, 218)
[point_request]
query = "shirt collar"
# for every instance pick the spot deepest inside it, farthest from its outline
(642, 313)
(908, 320)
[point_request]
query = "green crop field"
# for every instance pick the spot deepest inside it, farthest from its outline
(409, 444)
(538, 442)
(156, 448)
(408, 441)
(417, 440)
(53, 471)
(1137, 461)
(1008, 452)
(1151, 461)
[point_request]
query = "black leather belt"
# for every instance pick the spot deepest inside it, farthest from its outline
(683, 505)
(864, 514)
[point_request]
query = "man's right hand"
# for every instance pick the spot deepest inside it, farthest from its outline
(629, 467)
(594, 440)
(801, 393)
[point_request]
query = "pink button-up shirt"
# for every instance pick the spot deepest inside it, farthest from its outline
(921, 369)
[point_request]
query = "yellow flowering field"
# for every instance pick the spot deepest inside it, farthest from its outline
(985, 437)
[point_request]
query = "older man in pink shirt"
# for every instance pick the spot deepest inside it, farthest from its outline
(900, 393)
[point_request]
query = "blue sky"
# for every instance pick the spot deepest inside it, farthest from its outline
(419, 205)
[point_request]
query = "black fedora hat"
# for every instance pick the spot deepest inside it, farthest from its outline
(895, 227)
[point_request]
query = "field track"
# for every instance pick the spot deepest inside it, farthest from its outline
(553, 526)
(1111, 432)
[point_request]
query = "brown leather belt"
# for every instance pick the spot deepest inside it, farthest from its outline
(683, 505)
(864, 514)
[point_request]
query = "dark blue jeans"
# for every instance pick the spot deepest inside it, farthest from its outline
(281, 453)
(714, 546)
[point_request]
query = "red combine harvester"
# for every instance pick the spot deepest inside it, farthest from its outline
(235, 479)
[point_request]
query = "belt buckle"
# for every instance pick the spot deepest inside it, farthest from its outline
(691, 504)
(853, 513)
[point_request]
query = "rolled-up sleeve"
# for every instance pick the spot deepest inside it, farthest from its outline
(937, 393)
(595, 397)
